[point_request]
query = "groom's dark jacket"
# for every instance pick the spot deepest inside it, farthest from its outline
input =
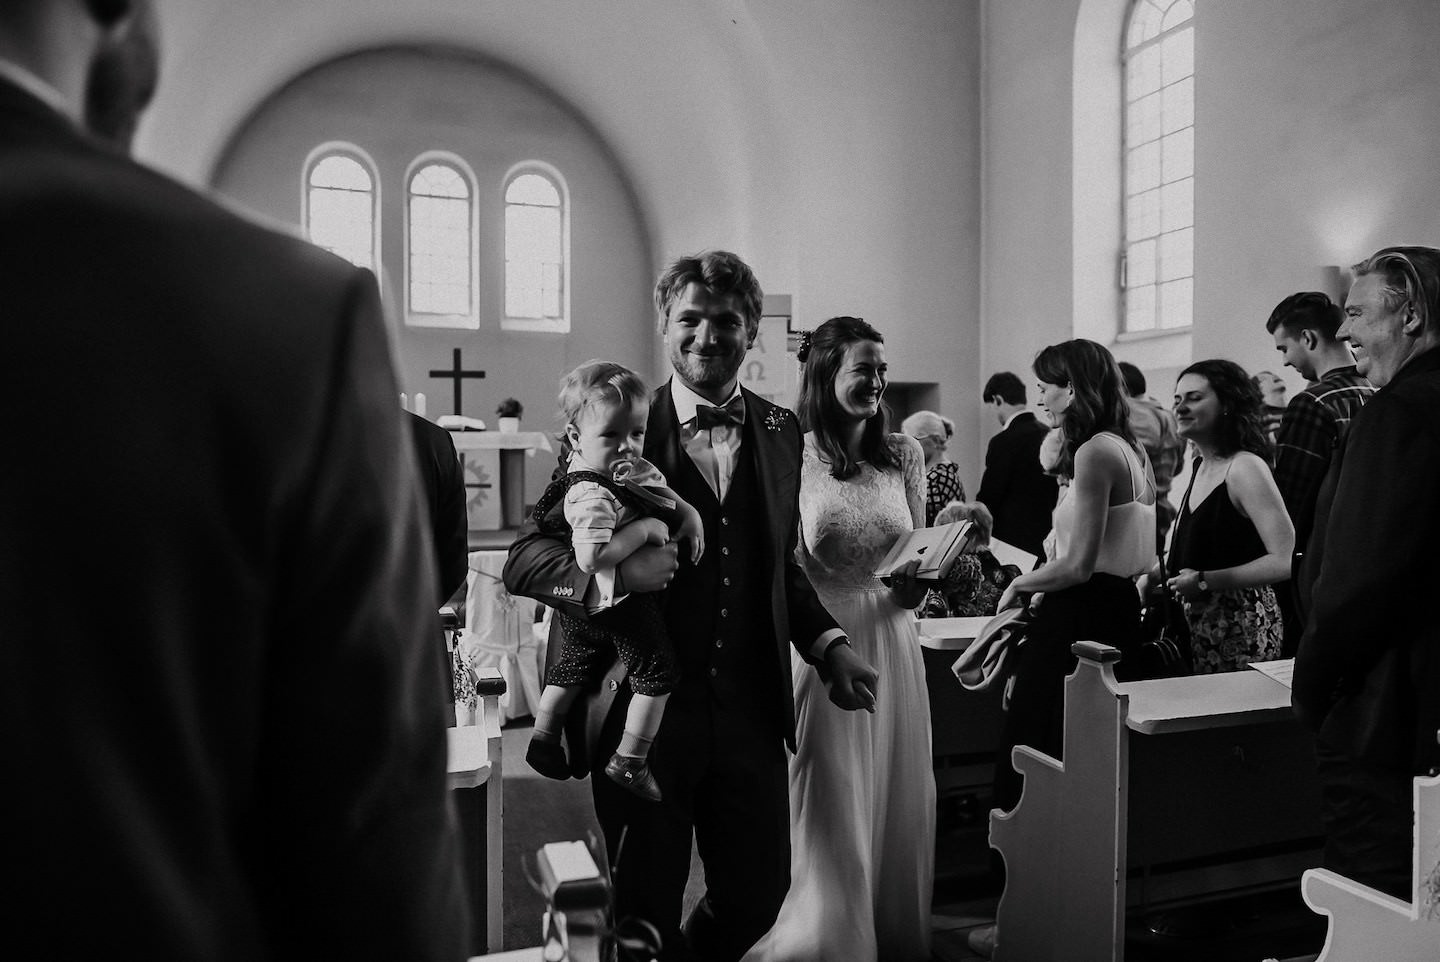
(731, 637)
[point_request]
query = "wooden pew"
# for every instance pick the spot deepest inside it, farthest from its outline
(1366, 924)
(1172, 791)
(475, 774)
(964, 725)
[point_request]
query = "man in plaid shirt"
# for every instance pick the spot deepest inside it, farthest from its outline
(1315, 421)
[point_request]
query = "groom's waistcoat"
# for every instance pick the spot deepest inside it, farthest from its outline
(718, 611)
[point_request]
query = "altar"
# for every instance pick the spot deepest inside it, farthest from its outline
(494, 465)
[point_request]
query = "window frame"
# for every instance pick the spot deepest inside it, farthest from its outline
(552, 325)
(470, 320)
(1127, 53)
(351, 151)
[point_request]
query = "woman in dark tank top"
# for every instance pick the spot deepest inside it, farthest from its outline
(1233, 537)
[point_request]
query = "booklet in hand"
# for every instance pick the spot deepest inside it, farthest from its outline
(936, 549)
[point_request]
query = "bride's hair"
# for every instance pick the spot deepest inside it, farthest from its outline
(821, 356)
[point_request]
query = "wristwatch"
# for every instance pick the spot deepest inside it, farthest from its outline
(1203, 585)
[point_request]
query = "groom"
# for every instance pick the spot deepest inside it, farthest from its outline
(720, 753)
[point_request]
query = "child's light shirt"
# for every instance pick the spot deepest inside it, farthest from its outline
(593, 511)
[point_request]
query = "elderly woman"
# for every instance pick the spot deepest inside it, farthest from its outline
(942, 476)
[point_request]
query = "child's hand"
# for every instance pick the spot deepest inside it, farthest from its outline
(693, 528)
(654, 530)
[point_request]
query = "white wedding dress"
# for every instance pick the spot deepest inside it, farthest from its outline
(862, 786)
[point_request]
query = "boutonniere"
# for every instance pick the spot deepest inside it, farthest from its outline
(776, 419)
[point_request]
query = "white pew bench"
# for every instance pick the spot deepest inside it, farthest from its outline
(1171, 791)
(1366, 924)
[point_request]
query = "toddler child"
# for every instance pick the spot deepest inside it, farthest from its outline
(611, 495)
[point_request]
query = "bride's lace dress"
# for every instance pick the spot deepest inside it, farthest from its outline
(862, 786)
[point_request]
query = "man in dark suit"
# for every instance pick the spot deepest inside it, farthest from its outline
(1014, 487)
(720, 753)
(442, 479)
(1367, 672)
(221, 739)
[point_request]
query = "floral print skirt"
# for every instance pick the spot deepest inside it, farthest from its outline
(1230, 629)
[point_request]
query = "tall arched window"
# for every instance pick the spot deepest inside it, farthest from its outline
(536, 251)
(440, 234)
(340, 205)
(1159, 142)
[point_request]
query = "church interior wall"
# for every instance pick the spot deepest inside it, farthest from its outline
(833, 143)
(1315, 138)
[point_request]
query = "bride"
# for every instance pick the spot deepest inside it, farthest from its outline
(862, 787)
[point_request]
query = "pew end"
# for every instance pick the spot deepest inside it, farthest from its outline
(475, 773)
(1366, 924)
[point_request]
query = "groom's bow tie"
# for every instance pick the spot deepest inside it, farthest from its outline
(733, 412)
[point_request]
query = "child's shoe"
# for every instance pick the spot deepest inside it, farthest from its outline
(548, 758)
(634, 775)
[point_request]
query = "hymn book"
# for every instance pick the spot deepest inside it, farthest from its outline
(935, 548)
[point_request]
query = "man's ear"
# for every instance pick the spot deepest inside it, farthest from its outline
(1310, 339)
(1412, 324)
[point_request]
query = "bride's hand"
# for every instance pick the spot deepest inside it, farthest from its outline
(907, 591)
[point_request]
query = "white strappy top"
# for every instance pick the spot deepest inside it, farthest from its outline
(1128, 546)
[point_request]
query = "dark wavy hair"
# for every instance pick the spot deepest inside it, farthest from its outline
(821, 355)
(1241, 426)
(1099, 404)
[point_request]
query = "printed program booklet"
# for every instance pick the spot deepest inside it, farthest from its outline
(936, 549)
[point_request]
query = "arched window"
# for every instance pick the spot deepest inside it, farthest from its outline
(340, 205)
(1159, 148)
(440, 234)
(536, 251)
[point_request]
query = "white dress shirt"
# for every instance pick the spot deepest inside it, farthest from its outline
(713, 450)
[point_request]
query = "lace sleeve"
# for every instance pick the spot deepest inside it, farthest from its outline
(912, 464)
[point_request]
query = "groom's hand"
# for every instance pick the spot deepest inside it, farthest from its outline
(852, 679)
(649, 568)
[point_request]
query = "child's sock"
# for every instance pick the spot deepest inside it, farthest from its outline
(633, 745)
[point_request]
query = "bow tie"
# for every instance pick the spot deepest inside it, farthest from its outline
(733, 412)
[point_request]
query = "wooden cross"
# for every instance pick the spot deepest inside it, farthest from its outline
(457, 375)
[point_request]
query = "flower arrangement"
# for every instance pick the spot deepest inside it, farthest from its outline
(510, 408)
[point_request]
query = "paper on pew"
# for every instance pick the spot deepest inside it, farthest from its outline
(1281, 669)
(1008, 554)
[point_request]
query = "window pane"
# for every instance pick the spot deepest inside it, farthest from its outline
(1177, 254)
(532, 189)
(1178, 150)
(1140, 308)
(1179, 105)
(1145, 20)
(1179, 12)
(345, 173)
(440, 252)
(1142, 122)
(1142, 215)
(1178, 58)
(534, 248)
(1177, 303)
(1142, 168)
(1142, 73)
(1140, 263)
(439, 180)
(1177, 205)
(340, 209)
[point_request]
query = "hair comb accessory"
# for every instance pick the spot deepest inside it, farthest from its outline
(804, 349)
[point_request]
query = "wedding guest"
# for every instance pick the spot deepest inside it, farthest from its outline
(1304, 327)
(1104, 538)
(942, 476)
(1014, 487)
(1272, 411)
(1367, 672)
(1233, 538)
(862, 787)
(1154, 427)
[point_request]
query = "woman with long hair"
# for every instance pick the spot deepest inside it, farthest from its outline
(1104, 536)
(862, 785)
(1233, 538)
